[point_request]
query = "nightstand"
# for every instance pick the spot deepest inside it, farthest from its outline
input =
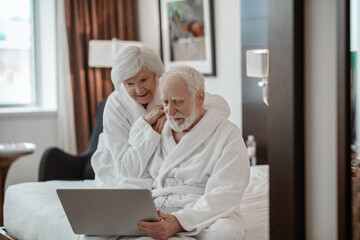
(9, 152)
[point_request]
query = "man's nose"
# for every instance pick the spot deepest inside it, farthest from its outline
(171, 109)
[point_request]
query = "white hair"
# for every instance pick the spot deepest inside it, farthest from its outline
(193, 78)
(130, 60)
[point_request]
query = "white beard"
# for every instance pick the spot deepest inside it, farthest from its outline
(188, 121)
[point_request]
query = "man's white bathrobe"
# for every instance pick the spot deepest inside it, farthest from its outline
(114, 158)
(205, 174)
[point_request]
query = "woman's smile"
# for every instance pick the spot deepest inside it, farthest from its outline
(142, 95)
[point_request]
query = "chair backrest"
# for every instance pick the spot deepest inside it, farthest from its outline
(94, 138)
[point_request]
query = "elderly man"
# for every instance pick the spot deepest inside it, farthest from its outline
(200, 166)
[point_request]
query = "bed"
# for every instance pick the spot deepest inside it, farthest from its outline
(33, 211)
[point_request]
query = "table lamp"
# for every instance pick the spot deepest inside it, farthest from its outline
(103, 52)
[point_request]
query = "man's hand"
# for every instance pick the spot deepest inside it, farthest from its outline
(154, 114)
(159, 124)
(163, 229)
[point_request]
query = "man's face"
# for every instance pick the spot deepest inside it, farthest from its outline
(179, 105)
(142, 86)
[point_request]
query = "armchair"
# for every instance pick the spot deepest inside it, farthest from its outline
(55, 164)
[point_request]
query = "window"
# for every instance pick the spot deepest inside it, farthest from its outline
(17, 58)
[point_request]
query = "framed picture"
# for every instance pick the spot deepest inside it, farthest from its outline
(187, 35)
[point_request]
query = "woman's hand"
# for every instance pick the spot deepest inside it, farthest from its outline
(154, 115)
(159, 124)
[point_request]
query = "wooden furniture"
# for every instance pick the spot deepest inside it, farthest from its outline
(4, 235)
(343, 58)
(285, 119)
(7, 157)
(355, 181)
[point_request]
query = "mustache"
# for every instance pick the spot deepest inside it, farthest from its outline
(176, 115)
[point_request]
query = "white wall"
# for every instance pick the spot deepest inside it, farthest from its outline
(39, 128)
(149, 23)
(320, 119)
(227, 81)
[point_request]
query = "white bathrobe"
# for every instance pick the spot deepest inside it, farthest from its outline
(205, 174)
(115, 158)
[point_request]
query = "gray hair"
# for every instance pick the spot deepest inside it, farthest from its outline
(193, 78)
(130, 60)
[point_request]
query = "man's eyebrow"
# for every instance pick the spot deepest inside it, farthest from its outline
(177, 99)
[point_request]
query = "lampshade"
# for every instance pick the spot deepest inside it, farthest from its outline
(257, 63)
(103, 52)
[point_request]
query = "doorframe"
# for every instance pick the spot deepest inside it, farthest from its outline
(286, 119)
(343, 120)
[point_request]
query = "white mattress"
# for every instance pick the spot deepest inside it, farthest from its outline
(33, 211)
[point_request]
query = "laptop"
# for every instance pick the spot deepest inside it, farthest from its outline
(107, 212)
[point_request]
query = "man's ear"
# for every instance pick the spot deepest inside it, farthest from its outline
(200, 97)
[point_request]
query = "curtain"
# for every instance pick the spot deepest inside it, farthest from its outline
(66, 122)
(93, 19)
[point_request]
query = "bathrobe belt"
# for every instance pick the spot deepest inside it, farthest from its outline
(182, 190)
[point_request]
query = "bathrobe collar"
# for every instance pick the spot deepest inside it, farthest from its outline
(176, 153)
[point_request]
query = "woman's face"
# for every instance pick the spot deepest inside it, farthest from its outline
(142, 86)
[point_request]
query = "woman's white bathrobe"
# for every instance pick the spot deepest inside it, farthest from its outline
(113, 160)
(206, 174)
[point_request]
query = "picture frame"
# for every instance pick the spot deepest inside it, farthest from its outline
(187, 34)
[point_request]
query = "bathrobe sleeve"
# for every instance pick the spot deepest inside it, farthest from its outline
(129, 147)
(224, 189)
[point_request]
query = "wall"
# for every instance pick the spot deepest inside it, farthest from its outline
(39, 128)
(320, 119)
(227, 81)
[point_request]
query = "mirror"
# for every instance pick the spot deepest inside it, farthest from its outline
(254, 19)
(355, 115)
(254, 35)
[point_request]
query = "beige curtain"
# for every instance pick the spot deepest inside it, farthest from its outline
(66, 120)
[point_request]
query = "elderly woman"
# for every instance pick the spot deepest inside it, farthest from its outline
(134, 105)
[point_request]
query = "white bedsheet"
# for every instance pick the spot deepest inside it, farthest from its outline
(33, 210)
(255, 204)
